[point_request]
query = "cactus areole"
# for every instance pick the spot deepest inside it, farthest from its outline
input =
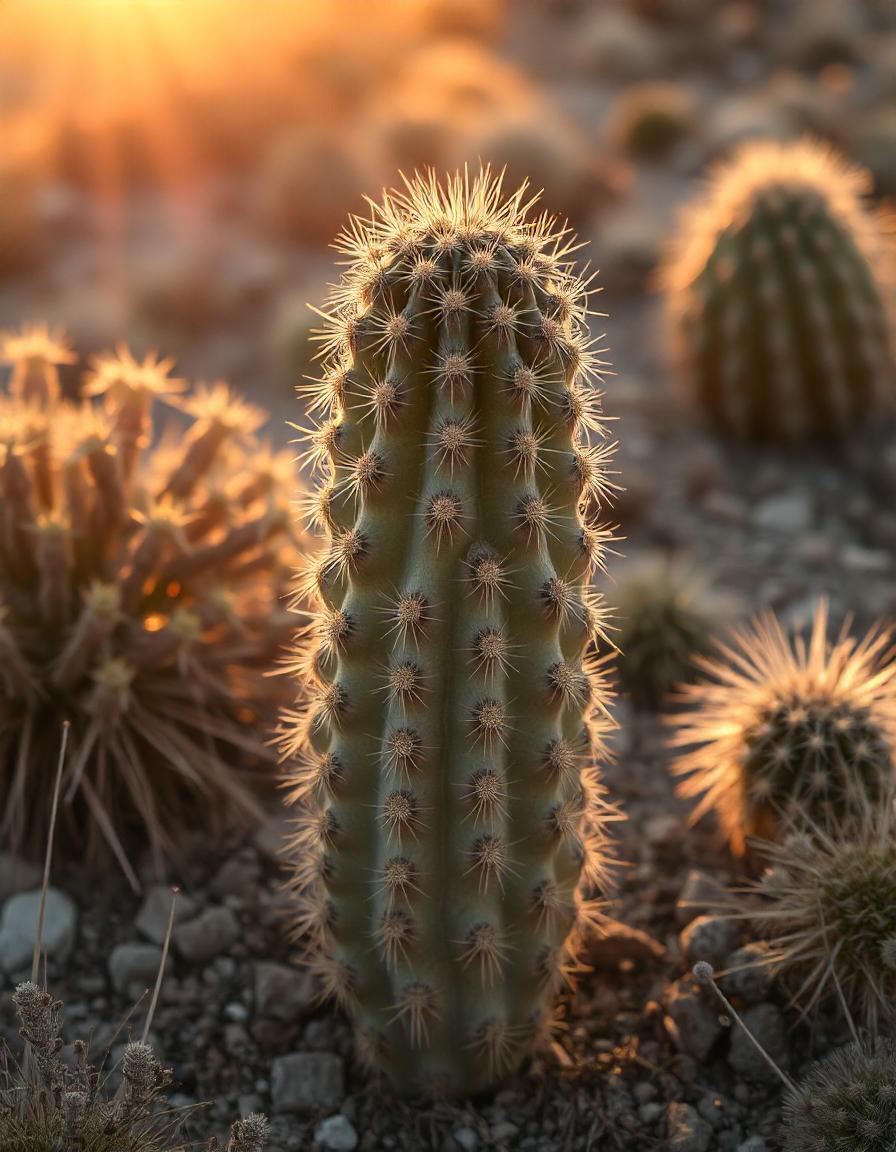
(449, 837)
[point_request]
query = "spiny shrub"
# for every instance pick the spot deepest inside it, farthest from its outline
(141, 597)
(774, 725)
(47, 1106)
(778, 290)
(664, 616)
(827, 908)
(447, 804)
(845, 1103)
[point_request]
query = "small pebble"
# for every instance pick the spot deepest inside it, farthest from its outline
(336, 1134)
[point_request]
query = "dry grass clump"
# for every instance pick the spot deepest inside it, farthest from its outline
(142, 597)
(776, 725)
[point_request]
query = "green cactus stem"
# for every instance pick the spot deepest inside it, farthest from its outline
(448, 811)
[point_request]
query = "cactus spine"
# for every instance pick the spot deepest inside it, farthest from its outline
(777, 295)
(448, 810)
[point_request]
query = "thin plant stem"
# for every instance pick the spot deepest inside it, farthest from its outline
(165, 946)
(703, 974)
(48, 856)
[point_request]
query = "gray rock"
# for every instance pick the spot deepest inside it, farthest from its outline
(749, 976)
(213, 932)
(17, 875)
(865, 561)
(152, 919)
(691, 1020)
(282, 993)
(307, 1081)
(710, 938)
(615, 942)
(651, 1112)
(753, 1144)
(336, 1134)
(686, 1131)
(466, 1139)
(699, 893)
(18, 928)
(134, 968)
(786, 512)
(765, 1023)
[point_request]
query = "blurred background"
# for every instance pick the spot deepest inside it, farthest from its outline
(173, 171)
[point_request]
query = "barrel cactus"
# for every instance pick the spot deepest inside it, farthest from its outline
(449, 821)
(665, 614)
(774, 726)
(845, 1101)
(826, 906)
(143, 592)
(778, 290)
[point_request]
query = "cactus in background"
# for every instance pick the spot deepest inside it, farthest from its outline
(664, 616)
(773, 726)
(778, 291)
(141, 593)
(449, 832)
(826, 906)
(845, 1101)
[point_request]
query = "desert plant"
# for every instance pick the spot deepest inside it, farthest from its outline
(650, 119)
(141, 597)
(845, 1102)
(775, 725)
(49, 1105)
(778, 288)
(826, 905)
(447, 804)
(664, 616)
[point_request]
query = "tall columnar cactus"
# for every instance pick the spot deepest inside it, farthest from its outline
(448, 808)
(778, 290)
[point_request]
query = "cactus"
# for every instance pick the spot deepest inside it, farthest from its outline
(774, 725)
(664, 617)
(140, 592)
(778, 291)
(826, 905)
(845, 1101)
(448, 813)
